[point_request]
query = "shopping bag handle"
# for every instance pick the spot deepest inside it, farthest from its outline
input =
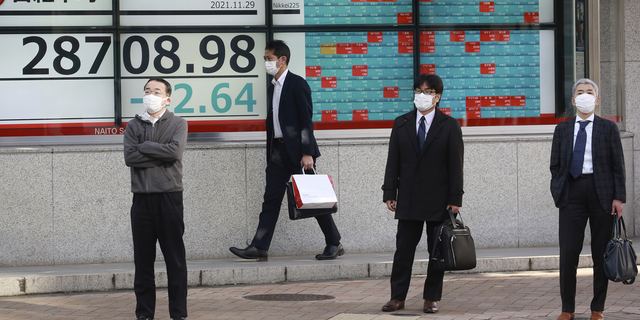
(303, 173)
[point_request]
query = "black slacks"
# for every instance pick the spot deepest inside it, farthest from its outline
(279, 171)
(407, 238)
(159, 217)
(583, 205)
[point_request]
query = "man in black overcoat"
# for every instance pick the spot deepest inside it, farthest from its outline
(587, 183)
(423, 179)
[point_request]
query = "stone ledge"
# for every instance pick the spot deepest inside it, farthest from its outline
(257, 273)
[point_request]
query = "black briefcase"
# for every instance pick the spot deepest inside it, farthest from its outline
(296, 214)
(454, 248)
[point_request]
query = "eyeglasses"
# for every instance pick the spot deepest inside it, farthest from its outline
(430, 92)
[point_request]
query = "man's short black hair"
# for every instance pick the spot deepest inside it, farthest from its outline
(432, 81)
(279, 49)
(165, 82)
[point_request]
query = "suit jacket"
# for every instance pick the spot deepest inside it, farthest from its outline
(294, 115)
(424, 182)
(608, 162)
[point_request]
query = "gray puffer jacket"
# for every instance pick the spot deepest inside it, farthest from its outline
(154, 153)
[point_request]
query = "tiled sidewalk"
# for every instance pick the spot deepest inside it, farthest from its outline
(513, 295)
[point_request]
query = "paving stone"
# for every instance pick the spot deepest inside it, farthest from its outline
(504, 295)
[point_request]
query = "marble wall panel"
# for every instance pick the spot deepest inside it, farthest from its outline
(631, 31)
(26, 213)
(92, 202)
(537, 214)
(367, 224)
(609, 30)
(631, 217)
(490, 201)
(215, 200)
(608, 90)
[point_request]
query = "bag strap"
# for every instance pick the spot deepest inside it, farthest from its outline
(435, 252)
(624, 228)
(615, 233)
(453, 218)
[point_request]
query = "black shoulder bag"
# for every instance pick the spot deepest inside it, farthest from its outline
(619, 256)
(454, 248)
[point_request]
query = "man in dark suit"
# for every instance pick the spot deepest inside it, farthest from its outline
(587, 183)
(290, 146)
(423, 179)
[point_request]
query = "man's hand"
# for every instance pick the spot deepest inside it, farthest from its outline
(616, 206)
(391, 205)
(454, 209)
(307, 162)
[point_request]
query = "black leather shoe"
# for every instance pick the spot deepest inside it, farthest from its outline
(143, 318)
(331, 252)
(179, 318)
(250, 252)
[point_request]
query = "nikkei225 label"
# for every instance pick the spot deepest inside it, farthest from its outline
(217, 76)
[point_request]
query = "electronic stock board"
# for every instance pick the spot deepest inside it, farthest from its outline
(85, 72)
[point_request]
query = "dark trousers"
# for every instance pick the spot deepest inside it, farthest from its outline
(407, 238)
(159, 217)
(583, 205)
(279, 171)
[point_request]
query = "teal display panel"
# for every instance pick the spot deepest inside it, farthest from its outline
(342, 12)
(492, 73)
(356, 76)
(473, 12)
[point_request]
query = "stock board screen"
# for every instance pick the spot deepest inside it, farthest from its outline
(339, 12)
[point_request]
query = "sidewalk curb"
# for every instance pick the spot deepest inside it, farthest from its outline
(286, 269)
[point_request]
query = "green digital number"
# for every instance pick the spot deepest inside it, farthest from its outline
(249, 102)
(215, 96)
(180, 108)
(246, 93)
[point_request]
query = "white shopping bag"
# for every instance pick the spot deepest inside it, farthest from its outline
(313, 191)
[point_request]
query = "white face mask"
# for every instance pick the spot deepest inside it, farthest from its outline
(153, 103)
(423, 101)
(585, 102)
(271, 67)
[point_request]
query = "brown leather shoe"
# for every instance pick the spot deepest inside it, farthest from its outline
(393, 305)
(597, 315)
(430, 306)
(567, 316)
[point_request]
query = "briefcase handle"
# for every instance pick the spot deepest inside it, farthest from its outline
(453, 219)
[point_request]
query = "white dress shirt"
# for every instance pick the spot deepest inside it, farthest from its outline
(277, 90)
(428, 119)
(587, 165)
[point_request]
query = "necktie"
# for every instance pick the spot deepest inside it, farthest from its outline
(578, 151)
(422, 133)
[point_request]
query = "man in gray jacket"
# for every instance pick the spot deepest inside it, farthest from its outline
(154, 142)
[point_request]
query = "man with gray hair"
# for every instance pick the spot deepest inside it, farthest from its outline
(587, 183)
